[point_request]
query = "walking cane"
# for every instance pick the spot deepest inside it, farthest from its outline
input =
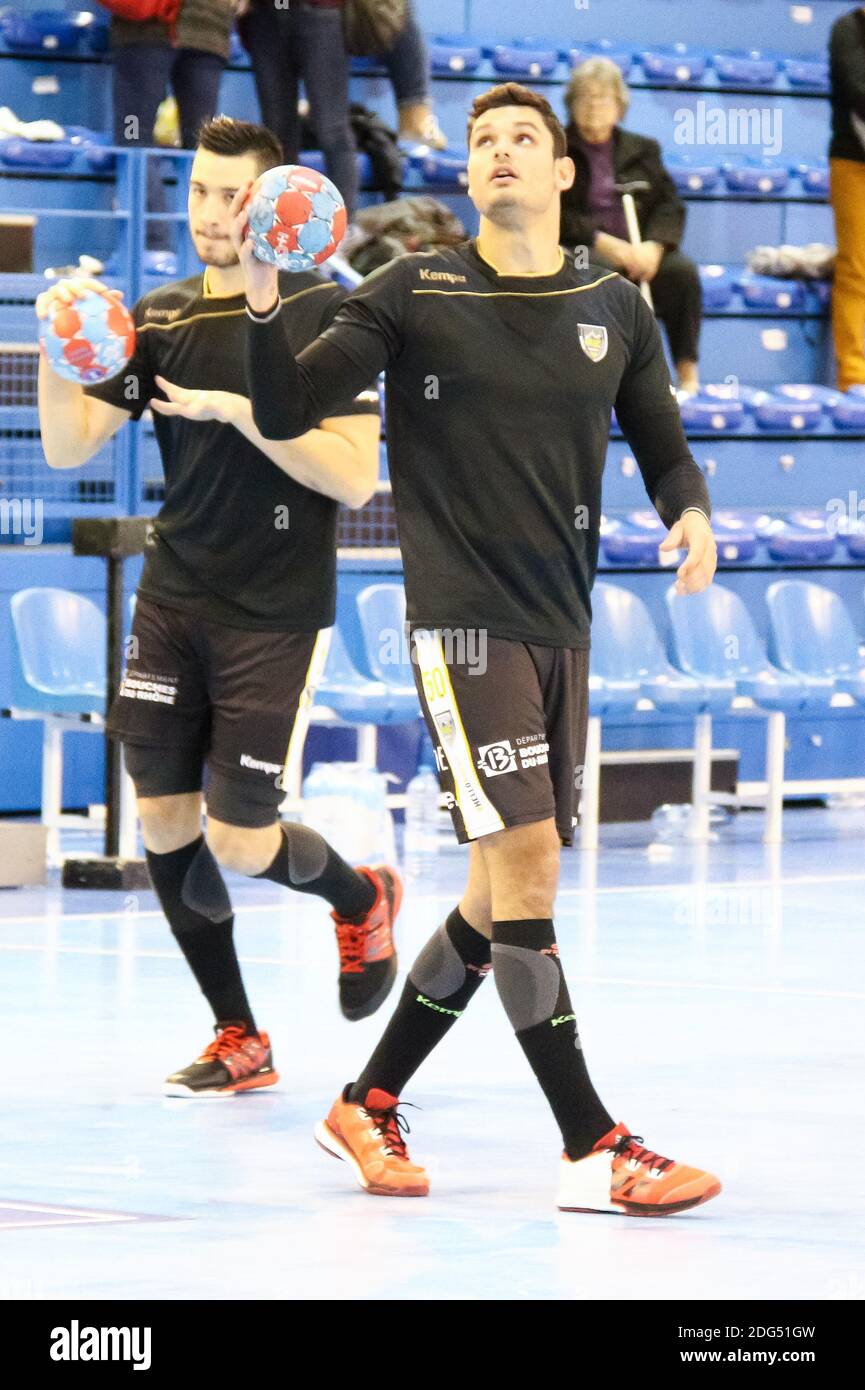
(627, 190)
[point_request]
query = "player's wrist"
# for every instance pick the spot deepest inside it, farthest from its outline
(262, 307)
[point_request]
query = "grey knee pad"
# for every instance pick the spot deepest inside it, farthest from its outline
(528, 984)
(307, 852)
(439, 970)
(204, 889)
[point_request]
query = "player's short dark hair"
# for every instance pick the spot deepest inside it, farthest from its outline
(515, 94)
(224, 135)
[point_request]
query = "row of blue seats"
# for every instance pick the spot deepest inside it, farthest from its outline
(743, 176)
(59, 31)
(787, 408)
(716, 655)
(803, 535)
(743, 291)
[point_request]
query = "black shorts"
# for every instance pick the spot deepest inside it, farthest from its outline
(200, 694)
(508, 722)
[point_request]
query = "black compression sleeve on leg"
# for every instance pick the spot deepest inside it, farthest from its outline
(306, 863)
(195, 900)
(441, 984)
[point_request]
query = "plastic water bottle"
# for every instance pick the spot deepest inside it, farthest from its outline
(672, 824)
(346, 803)
(421, 847)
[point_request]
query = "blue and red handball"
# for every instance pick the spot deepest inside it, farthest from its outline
(296, 217)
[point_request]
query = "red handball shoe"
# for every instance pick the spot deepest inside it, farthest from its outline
(620, 1175)
(367, 955)
(236, 1060)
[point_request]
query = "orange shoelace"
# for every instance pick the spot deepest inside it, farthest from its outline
(225, 1043)
(350, 939)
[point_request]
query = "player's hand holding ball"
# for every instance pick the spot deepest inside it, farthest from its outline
(289, 218)
(85, 331)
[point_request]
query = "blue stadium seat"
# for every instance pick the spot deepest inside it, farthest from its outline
(718, 284)
(849, 411)
(778, 412)
(381, 609)
(438, 168)
(813, 174)
(53, 31)
(628, 660)
(676, 62)
(747, 67)
(769, 292)
(802, 535)
(752, 174)
(812, 71)
(690, 173)
(735, 535)
(617, 53)
(342, 688)
(633, 539)
(702, 412)
(826, 396)
(36, 154)
(453, 53)
(813, 636)
(854, 539)
(525, 58)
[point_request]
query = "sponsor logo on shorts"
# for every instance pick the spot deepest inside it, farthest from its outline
(441, 760)
(534, 751)
(258, 765)
(593, 340)
(497, 758)
(157, 690)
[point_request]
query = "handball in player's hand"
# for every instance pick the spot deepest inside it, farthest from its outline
(296, 217)
(87, 334)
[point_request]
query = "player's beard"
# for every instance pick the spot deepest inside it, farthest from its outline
(220, 261)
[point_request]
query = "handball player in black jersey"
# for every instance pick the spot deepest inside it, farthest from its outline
(238, 583)
(503, 361)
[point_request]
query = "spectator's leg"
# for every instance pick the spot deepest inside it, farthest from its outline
(268, 37)
(678, 302)
(195, 79)
(407, 64)
(324, 65)
(139, 82)
(847, 181)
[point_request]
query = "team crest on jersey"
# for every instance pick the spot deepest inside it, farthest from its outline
(444, 722)
(593, 340)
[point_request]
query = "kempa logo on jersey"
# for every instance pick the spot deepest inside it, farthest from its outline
(445, 275)
(593, 340)
(257, 765)
(168, 314)
(76, 1343)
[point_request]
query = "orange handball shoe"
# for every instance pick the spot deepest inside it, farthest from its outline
(236, 1060)
(620, 1175)
(370, 1137)
(367, 955)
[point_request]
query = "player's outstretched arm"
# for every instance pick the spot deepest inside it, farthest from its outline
(290, 396)
(649, 416)
(73, 425)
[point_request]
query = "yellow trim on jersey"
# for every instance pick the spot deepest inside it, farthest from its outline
(481, 818)
(230, 313)
(521, 294)
(523, 274)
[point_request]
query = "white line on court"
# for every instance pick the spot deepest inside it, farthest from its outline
(284, 905)
(290, 963)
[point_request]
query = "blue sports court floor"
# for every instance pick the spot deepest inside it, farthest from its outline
(720, 999)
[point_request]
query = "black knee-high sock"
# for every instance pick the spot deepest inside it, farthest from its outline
(532, 987)
(443, 979)
(195, 900)
(306, 863)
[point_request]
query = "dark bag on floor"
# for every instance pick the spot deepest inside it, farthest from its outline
(373, 26)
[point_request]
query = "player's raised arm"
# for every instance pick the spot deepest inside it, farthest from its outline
(290, 396)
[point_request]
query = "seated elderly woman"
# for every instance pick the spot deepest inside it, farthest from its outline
(605, 156)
